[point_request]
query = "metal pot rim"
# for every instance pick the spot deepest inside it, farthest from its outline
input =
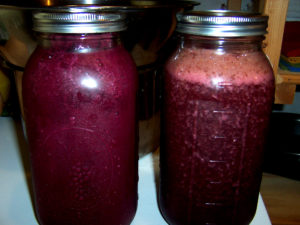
(94, 5)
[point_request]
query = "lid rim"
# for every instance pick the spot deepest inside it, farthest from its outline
(78, 22)
(223, 23)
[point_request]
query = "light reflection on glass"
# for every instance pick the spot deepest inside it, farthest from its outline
(220, 51)
(216, 81)
(82, 49)
(89, 82)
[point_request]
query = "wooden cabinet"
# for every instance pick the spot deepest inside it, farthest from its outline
(285, 81)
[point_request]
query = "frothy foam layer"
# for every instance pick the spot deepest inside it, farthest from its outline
(213, 68)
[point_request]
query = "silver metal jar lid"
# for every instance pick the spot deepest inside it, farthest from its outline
(222, 23)
(78, 21)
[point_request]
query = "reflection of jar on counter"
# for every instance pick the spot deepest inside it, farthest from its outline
(218, 92)
(79, 93)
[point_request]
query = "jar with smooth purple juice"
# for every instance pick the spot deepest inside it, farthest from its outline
(79, 91)
(217, 98)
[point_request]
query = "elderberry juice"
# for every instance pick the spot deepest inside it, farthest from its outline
(80, 109)
(215, 116)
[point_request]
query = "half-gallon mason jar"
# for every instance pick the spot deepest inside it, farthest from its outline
(79, 91)
(218, 93)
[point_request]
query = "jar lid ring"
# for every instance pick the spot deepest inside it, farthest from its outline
(222, 23)
(78, 22)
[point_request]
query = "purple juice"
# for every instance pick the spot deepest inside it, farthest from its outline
(216, 113)
(80, 112)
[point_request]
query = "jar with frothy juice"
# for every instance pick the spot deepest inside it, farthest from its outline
(217, 98)
(79, 91)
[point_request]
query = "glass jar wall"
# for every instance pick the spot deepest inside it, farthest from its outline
(79, 92)
(218, 93)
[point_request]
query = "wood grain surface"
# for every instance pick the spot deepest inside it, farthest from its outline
(282, 199)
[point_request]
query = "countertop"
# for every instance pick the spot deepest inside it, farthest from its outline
(282, 199)
(15, 193)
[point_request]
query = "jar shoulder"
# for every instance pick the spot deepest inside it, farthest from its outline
(205, 65)
(115, 64)
(80, 77)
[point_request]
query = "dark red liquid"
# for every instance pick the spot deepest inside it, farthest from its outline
(212, 145)
(80, 109)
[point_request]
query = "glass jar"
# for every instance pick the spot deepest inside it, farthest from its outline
(79, 91)
(218, 93)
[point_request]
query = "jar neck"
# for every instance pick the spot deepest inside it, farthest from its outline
(222, 44)
(79, 42)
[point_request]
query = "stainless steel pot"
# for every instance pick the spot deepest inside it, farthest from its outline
(150, 25)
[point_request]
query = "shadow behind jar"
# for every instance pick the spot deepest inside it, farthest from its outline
(282, 155)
